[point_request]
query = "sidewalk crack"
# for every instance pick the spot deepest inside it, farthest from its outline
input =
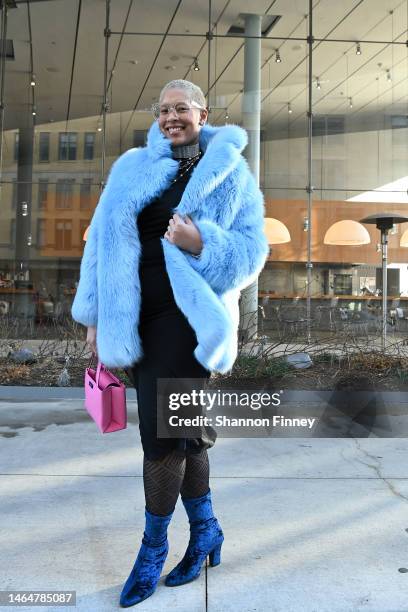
(376, 468)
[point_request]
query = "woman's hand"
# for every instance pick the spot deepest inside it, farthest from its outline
(183, 233)
(91, 339)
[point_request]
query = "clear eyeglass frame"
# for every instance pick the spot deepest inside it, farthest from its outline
(181, 108)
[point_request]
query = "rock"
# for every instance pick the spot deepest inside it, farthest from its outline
(23, 356)
(300, 361)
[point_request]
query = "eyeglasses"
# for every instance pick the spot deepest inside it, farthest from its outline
(181, 109)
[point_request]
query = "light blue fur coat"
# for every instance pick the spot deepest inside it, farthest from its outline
(225, 204)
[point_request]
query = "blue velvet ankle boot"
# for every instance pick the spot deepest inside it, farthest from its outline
(206, 538)
(146, 571)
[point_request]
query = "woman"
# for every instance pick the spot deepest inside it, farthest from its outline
(178, 231)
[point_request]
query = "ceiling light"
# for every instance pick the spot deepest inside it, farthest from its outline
(350, 102)
(358, 49)
(346, 232)
(318, 83)
(196, 66)
(290, 111)
(275, 231)
(277, 57)
(34, 111)
(226, 114)
(32, 82)
(389, 79)
(404, 239)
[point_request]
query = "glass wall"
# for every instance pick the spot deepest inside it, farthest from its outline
(333, 132)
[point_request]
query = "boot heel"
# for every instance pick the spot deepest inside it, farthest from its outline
(215, 556)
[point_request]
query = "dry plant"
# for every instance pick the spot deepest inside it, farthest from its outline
(346, 353)
(336, 353)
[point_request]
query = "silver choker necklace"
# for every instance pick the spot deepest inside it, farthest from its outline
(186, 151)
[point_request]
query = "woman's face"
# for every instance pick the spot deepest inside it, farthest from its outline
(182, 129)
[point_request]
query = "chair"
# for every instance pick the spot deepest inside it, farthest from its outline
(294, 320)
(324, 317)
(272, 320)
(317, 316)
(358, 324)
(4, 307)
(340, 318)
(401, 321)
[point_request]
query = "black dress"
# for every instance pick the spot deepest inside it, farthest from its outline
(167, 338)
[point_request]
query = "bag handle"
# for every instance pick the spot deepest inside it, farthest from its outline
(99, 367)
(98, 371)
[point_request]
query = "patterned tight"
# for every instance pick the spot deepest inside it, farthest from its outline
(164, 479)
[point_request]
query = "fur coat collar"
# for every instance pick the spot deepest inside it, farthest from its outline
(222, 200)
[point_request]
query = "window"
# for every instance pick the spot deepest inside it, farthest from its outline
(42, 193)
(139, 138)
(40, 233)
(67, 147)
(63, 234)
(83, 224)
(330, 127)
(44, 149)
(89, 143)
(16, 146)
(64, 192)
(399, 121)
(327, 125)
(85, 193)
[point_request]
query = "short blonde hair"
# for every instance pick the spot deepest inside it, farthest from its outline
(194, 92)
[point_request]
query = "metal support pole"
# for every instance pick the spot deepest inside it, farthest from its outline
(105, 105)
(2, 77)
(309, 189)
(251, 112)
(384, 222)
(23, 214)
(384, 249)
(209, 37)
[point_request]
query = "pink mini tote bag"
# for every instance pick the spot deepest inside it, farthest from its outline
(105, 399)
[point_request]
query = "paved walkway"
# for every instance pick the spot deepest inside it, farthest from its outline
(310, 524)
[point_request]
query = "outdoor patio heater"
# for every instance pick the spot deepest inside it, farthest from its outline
(384, 222)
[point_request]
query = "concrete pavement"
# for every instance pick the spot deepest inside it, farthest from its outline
(311, 525)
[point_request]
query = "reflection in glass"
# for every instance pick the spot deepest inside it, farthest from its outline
(359, 149)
